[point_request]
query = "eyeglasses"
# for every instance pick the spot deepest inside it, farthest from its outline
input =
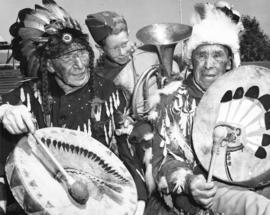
(83, 55)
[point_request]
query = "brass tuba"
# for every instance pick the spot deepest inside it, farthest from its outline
(164, 37)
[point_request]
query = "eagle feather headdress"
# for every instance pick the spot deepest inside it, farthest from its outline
(215, 24)
(46, 30)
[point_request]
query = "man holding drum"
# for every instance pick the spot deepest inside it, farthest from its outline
(62, 93)
(212, 50)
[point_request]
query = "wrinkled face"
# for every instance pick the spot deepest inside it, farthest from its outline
(209, 62)
(72, 69)
(118, 47)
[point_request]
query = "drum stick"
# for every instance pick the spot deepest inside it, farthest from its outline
(45, 149)
(77, 189)
(219, 135)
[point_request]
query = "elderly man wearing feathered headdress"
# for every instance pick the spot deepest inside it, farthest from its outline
(211, 51)
(52, 48)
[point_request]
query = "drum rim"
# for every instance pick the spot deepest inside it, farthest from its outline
(10, 167)
(198, 130)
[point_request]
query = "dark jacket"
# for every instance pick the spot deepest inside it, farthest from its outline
(97, 109)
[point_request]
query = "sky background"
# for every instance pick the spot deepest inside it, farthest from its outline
(138, 13)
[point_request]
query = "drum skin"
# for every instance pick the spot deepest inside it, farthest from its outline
(36, 186)
(240, 99)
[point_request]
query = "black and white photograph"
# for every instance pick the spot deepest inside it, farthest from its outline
(134, 107)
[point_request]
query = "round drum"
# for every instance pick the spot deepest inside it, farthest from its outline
(238, 101)
(35, 184)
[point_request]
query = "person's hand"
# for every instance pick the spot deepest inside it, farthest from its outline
(16, 119)
(201, 191)
(126, 127)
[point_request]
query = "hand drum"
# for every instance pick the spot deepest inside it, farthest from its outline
(34, 180)
(239, 101)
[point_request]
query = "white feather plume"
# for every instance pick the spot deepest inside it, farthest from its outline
(212, 26)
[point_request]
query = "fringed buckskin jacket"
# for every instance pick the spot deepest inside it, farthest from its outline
(173, 159)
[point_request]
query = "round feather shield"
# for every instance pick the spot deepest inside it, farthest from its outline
(34, 180)
(239, 101)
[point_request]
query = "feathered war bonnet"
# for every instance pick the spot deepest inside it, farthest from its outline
(215, 24)
(45, 32)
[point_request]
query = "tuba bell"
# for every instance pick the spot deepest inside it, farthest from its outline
(164, 36)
